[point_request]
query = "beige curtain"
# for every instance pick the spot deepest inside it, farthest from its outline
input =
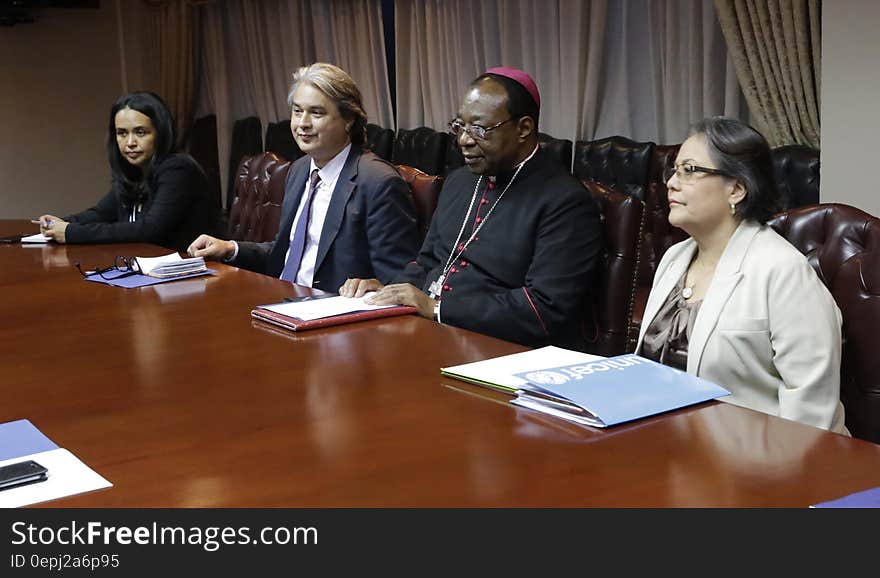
(645, 69)
(158, 40)
(251, 49)
(775, 47)
(173, 25)
(441, 45)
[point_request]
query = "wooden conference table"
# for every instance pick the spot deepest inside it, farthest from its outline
(178, 398)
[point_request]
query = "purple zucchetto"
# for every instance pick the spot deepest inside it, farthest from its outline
(521, 78)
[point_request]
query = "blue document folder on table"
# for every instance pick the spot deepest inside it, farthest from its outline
(128, 281)
(864, 499)
(614, 390)
(21, 438)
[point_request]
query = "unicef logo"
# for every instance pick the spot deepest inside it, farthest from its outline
(547, 377)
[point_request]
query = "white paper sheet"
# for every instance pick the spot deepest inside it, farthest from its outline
(326, 307)
(38, 238)
(499, 370)
(68, 476)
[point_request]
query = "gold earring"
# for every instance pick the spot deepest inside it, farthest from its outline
(732, 209)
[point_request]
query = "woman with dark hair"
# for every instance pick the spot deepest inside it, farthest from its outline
(156, 196)
(736, 303)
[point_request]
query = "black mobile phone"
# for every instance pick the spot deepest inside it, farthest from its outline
(14, 475)
(11, 239)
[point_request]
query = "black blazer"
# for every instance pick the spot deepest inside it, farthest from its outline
(526, 276)
(177, 209)
(369, 231)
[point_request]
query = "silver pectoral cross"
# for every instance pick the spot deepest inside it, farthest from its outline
(436, 287)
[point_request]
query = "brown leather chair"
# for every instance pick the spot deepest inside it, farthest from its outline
(280, 141)
(380, 141)
(259, 191)
(614, 161)
(423, 148)
(658, 234)
(796, 168)
(425, 190)
(247, 140)
(558, 149)
(608, 320)
(202, 146)
(842, 244)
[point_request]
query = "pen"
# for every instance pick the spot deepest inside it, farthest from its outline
(49, 222)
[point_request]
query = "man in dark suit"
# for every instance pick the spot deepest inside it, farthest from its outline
(346, 212)
(513, 245)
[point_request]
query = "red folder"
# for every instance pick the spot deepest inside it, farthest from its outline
(296, 324)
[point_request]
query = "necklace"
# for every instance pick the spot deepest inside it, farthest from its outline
(697, 269)
(436, 287)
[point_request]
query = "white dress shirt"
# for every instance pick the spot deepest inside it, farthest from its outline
(329, 175)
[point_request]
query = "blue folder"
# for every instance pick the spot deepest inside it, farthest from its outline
(609, 391)
(20, 438)
(128, 281)
(864, 499)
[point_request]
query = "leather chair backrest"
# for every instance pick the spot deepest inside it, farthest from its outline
(259, 192)
(559, 149)
(425, 190)
(380, 141)
(280, 141)
(842, 244)
(612, 299)
(614, 161)
(202, 146)
(796, 168)
(658, 234)
(423, 148)
(247, 140)
(453, 158)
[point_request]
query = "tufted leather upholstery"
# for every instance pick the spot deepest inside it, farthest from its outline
(259, 191)
(616, 162)
(559, 149)
(425, 190)
(279, 140)
(797, 175)
(202, 146)
(622, 216)
(658, 234)
(842, 244)
(380, 141)
(423, 148)
(247, 140)
(453, 158)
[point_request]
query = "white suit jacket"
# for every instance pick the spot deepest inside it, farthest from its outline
(768, 330)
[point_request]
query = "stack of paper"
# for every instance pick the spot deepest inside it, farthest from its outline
(324, 310)
(498, 372)
(611, 391)
(171, 265)
(37, 238)
(20, 441)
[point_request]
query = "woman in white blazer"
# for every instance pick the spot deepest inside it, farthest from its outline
(736, 303)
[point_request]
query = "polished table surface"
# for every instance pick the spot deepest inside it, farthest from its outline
(180, 399)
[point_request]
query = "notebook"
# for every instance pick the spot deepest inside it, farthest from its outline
(309, 313)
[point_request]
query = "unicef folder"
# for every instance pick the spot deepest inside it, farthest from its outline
(614, 390)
